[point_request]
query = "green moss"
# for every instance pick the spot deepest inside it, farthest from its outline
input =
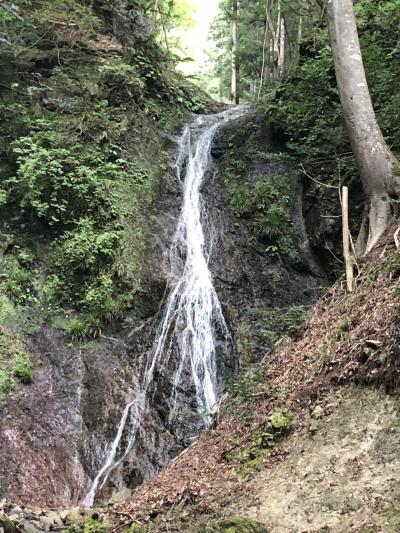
(90, 525)
(243, 525)
(252, 454)
(15, 364)
(281, 422)
(7, 525)
(136, 528)
(252, 460)
(232, 525)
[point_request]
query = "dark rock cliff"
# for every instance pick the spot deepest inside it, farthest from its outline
(54, 433)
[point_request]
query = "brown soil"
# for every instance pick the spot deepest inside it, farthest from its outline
(341, 476)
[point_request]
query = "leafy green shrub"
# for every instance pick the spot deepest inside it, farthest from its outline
(313, 124)
(15, 364)
(276, 322)
(248, 385)
(85, 250)
(15, 279)
(87, 198)
(124, 79)
(90, 525)
(81, 155)
(57, 185)
(267, 204)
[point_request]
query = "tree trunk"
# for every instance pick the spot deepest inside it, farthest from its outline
(234, 79)
(299, 34)
(276, 41)
(264, 50)
(282, 41)
(379, 170)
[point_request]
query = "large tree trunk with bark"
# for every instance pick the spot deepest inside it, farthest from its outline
(379, 170)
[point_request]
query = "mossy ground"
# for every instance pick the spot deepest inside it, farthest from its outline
(15, 364)
(83, 154)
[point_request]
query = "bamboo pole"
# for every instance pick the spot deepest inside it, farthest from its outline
(346, 239)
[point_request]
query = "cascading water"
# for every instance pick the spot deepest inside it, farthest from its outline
(193, 316)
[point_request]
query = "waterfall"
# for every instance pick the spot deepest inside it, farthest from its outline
(193, 315)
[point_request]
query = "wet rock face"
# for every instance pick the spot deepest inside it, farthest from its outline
(47, 428)
(245, 275)
(39, 429)
(55, 433)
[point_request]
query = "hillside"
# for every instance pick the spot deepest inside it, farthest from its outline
(93, 110)
(307, 442)
(179, 347)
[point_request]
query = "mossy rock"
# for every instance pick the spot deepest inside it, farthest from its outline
(233, 525)
(7, 525)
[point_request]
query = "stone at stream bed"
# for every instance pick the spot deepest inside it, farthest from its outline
(120, 496)
(17, 510)
(31, 527)
(41, 520)
(51, 520)
(72, 516)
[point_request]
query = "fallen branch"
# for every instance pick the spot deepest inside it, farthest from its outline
(62, 23)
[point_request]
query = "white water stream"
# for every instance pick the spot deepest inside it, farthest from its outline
(193, 314)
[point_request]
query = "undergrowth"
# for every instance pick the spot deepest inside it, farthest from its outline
(274, 323)
(82, 157)
(251, 454)
(15, 364)
(265, 203)
(90, 525)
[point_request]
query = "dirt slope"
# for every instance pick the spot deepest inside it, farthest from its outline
(339, 477)
(335, 393)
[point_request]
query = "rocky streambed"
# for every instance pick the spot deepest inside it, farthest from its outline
(16, 519)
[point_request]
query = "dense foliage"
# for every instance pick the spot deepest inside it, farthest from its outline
(302, 102)
(85, 88)
(258, 41)
(15, 364)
